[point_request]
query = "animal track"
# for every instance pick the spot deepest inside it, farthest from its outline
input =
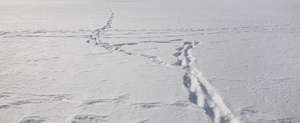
(201, 92)
(98, 35)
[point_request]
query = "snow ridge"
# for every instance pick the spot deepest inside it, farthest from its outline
(201, 92)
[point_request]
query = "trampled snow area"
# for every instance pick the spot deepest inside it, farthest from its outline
(149, 61)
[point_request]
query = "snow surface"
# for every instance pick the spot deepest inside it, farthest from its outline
(149, 61)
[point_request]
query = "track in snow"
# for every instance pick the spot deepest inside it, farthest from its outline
(98, 34)
(202, 93)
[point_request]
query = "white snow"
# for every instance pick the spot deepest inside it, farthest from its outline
(149, 61)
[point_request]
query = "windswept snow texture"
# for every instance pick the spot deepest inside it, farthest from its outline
(149, 61)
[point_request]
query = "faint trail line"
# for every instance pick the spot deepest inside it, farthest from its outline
(141, 34)
(202, 93)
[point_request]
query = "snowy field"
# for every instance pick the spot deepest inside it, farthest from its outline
(149, 61)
